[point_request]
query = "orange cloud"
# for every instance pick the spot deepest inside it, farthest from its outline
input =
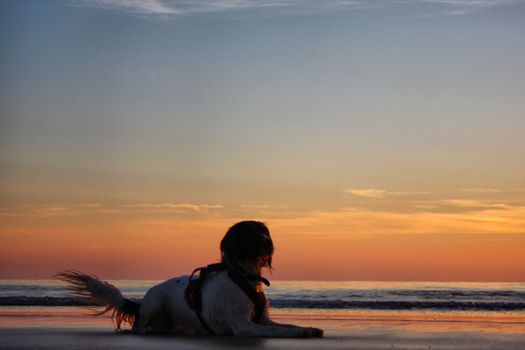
(366, 192)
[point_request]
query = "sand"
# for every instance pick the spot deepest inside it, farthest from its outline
(99, 338)
(68, 329)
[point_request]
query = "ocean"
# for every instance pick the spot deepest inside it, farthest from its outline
(443, 296)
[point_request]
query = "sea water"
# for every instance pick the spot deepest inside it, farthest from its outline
(451, 296)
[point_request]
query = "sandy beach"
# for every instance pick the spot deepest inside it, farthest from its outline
(103, 338)
(70, 328)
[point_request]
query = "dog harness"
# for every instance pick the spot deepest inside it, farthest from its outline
(193, 293)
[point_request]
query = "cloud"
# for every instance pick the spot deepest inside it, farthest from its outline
(185, 205)
(263, 206)
(459, 7)
(196, 7)
(378, 193)
(91, 205)
(260, 8)
(406, 193)
(473, 3)
(351, 221)
(55, 211)
(473, 204)
(137, 7)
(82, 209)
(481, 190)
(255, 206)
(366, 192)
(10, 214)
(460, 201)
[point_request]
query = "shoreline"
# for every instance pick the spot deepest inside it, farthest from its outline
(337, 321)
(73, 328)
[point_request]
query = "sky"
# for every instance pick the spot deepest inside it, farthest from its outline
(378, 140)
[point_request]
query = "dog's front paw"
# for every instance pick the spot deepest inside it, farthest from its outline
(315, 332)
(311, 332)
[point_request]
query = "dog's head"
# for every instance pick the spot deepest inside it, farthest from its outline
(248, 242)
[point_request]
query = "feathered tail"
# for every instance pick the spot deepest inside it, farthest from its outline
(102, 293)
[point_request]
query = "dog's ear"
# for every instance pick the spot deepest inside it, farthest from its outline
(246, 240)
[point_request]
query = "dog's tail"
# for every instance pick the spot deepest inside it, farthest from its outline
(98, 292)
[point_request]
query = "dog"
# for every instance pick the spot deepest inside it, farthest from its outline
(226, 298)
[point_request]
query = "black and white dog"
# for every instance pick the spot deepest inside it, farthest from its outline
(225, 299)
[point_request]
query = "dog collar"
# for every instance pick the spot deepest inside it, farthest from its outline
(248, 275)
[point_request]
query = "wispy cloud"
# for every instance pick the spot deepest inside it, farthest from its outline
(460, 201)
(243, 8)
(438, 8)
(91, 205)
(472, 3)
(56, 211)
(263, 207)
(379, 193)
(136, 7)
(193, 7)
(351, 221)
(255, 206)
(88, 209)
(431, 215)
(481, 190)
(366, 192)
(187, 206)
(473, 204)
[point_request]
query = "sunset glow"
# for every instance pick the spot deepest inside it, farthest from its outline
(377, 143)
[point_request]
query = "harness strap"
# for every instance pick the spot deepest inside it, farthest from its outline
(204, 324)
(258, 299)
(194, 297)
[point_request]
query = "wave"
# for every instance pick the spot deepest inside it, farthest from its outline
(399, 305)
(45, 301)
(304, 304)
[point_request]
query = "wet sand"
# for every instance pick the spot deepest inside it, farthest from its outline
(68, 328)
(100, 338)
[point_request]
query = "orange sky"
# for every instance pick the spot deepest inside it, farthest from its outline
(473, 238)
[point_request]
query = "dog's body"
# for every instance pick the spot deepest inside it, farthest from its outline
(226, 307)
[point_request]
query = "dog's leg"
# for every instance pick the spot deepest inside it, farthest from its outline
(239, 310)
(243, 326)
(269, 322)
(152, 306)
(266, 320)
(251, 329)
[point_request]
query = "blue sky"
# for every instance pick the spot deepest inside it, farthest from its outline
(303, 95)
